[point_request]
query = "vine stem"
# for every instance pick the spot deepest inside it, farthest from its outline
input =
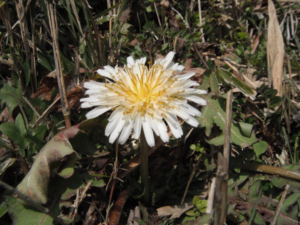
(144, 168)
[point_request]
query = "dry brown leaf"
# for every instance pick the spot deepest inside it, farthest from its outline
(173, 211)
(275, 50)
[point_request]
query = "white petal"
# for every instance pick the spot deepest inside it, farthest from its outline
(111, 126)
(93, 85)
(86, 105)
(104, 73)
(196, 99)
(181, 113)
(192, 121)
(192, 111)
(170, 117)
(116, 132)
(125, 133)
(142, 60)
(186, 76)
(130, 61)
(110, 69)
(137, 126)
(176, 130)
(148, 132)
(166, 61)
(163, 131)
(190, 83)
(153, 124)
(179, 68)
(97, 112)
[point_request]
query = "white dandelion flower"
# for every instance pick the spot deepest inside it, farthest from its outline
(142, 98)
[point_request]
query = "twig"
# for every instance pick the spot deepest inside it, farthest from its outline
(191, 178)
(79, 198)
(161, 29)
(211, 195)
(200, 20)
(113, 179)
(29, 201)
(200, 56)
(278, 208)
(270, 170)
(218, 191)
(226, 155)
(31, 106)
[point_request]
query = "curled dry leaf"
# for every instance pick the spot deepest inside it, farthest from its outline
(35, 183)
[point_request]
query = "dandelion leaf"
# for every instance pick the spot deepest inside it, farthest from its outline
(49, 160)
(214, 114)
(25, 215)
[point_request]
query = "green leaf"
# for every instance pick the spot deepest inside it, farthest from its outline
(246, 128)
(99, 183)
(19, 122)
(260, 148)
(35, 183)
(214, 113)
(3, 208)
(13, 132)
(11, 96)
(231, 79)
(25, 215)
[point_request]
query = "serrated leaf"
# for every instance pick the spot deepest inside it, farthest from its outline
(231, 79)
(214, 113)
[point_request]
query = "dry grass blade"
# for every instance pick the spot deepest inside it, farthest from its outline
(275, 50)
(58, 64)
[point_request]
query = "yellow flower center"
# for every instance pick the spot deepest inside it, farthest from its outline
(141, 88)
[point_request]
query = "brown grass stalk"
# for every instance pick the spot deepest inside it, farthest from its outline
(51, 9)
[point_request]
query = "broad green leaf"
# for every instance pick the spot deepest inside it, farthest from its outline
(260, 148)
(214, 113)
(19, 122)
(11, 96)
(13, 132)
(35, 183)
(25, 215)
(231, 79)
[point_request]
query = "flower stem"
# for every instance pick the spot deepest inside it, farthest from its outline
(144, 168)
